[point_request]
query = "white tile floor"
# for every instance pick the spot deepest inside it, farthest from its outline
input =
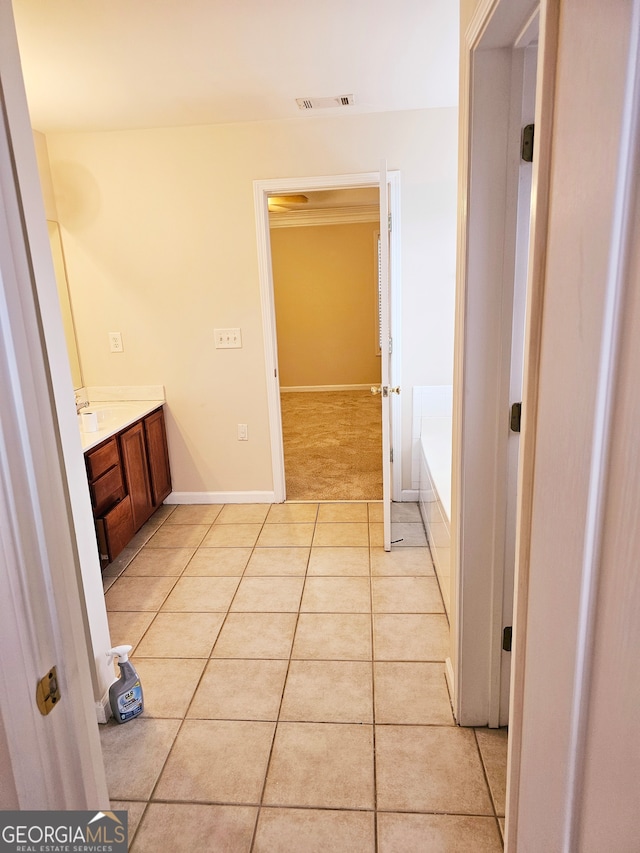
(295, 697)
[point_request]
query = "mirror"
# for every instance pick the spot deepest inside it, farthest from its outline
(65, 302)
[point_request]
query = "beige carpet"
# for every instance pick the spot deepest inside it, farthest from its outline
(332, 445)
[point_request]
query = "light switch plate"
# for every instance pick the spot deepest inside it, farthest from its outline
(228, 338)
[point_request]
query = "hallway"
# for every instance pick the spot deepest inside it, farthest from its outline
(295, 697)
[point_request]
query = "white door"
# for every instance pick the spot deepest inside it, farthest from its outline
(386, 389)
(525, 81)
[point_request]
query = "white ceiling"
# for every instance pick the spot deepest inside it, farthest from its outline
(115, 64)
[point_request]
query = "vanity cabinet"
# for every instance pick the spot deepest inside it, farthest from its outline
(156, 440)
(135, 461)
(129, 477)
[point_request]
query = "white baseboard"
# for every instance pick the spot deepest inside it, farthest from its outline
(103, 709)
(411, 495)
(291, 388)
(221, 498)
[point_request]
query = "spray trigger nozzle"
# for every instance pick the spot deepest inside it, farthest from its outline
(120, 652)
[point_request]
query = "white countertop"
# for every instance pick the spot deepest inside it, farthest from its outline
(114, 416)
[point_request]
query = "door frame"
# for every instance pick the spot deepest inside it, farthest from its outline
(283, 186)
(482, 358)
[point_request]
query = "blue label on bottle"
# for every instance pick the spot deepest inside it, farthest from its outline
(130, 703)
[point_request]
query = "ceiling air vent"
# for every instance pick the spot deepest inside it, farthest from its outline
(324, 103)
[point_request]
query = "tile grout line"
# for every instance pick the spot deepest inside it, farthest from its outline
(184, 718)
(373, 701)
(284, 687)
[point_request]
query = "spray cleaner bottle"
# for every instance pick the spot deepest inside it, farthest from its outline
(125, 694)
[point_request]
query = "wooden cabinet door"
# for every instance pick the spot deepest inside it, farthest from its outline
(136, 468)
(158, 456)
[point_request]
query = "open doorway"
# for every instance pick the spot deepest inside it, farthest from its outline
(325, 265)
(329, 190)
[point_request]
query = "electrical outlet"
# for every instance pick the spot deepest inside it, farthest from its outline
(115, 341)
(228, 338)
(243, 434)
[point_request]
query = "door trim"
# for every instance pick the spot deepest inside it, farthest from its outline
(261, 190)
(43, 609)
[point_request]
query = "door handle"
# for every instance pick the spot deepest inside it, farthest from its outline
(385, 390)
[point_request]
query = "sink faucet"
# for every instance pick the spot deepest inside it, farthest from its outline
(81, 404)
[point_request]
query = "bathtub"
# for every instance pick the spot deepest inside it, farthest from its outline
(435, 480)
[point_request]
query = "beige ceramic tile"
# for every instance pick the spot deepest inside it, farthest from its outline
(138, 593)
(333, 636)
(376, 534)
(188, 826)
(336, 595)
(410, 637)
(221, 761)
(243, 514)
(346, 533)
(221, 562)
(232, 536)
(286, 535)
(178, 536)
(256, 635)
(127, 628)
(406, 595)
(194, 514)
(419, 833)
(343, 512)
(404, 512)
(159, 562)
(292, 513)
(430, 769)
(181, 635)
(278, 561)
(339, 561)
(401, 561)
(146, 744)
(501, 824)
(116, 567)
(240, 690)
(134, 814)
(168, 684)
(412, 694)
(322, 765)
(376, 511)
(311, 831)
(408, 534)
(328, 691)
(493, 748)
(262, 595)
(403, 535)
(202, 594)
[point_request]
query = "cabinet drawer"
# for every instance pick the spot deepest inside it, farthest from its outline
(102, 458)
(115, 530)
(107, 490)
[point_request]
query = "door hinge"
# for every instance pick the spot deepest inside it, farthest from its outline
(389, 222)
(390, 346)
(391, 454)
(506, 638)
(516, 417)
(526, 149)
(48, 692)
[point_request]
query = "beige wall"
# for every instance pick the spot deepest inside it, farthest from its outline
(159, 234)
(324, 281)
